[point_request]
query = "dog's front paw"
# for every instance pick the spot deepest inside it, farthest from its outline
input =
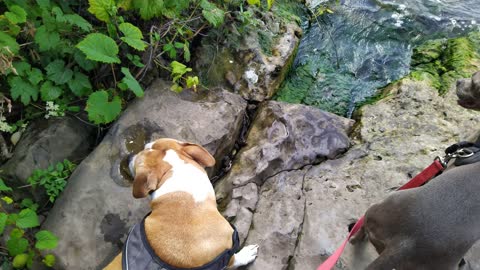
(245, 256)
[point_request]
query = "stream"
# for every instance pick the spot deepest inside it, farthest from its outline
(347, 54)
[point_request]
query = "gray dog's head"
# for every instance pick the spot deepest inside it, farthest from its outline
(468, 92)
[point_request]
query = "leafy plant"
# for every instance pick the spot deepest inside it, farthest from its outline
(178, 73)
(23, 244)
(54, 178)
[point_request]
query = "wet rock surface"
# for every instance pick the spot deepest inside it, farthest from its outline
(96, 210)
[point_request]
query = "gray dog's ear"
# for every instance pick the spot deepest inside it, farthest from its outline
(199, 154)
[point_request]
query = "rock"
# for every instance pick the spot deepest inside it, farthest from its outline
(259, 64)
(46, 142)
(397, 138)
(277, 220)
(283, 137)
(468, 92)
(96, 210)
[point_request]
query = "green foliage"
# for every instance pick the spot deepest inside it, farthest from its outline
(53, 179)
(100, 48)
(212, 13)
(132, 36)
(102, 9)
(101, 110)
(131, 82)
(22, 244)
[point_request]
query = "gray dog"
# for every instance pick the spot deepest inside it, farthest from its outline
(433, 226)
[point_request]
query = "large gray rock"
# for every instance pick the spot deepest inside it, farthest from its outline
(397, 138)
(44, 143)
(96, 210)
(283, 137)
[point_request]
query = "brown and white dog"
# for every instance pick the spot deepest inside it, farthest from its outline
(184, 229)
(430, 227)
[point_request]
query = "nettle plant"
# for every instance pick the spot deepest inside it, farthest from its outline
(55, 57)
(17, 221)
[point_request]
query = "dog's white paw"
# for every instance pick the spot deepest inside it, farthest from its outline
(245, 256)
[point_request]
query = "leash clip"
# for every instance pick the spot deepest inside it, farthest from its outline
(459, 153)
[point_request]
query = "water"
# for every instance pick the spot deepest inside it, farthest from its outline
(345, 57)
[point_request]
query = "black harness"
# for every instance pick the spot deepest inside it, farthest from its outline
(138, 254)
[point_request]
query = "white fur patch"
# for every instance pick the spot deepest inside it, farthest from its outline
(131, 166)
(245, 256)
(186, 177)
(149, 145)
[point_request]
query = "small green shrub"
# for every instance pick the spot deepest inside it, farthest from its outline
(23, 243)
(53, 179)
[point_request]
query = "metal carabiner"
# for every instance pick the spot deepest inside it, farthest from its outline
(464, 153)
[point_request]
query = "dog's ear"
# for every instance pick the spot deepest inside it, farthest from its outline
(143, 184)
(199, 154)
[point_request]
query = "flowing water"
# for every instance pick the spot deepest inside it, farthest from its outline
(346, 56)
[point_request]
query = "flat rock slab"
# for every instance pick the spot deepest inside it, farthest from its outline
(96, 210)
(397, 138)
(265, 182)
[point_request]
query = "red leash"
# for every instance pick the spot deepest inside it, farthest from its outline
(427, 174)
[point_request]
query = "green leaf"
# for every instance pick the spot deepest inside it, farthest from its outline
(100, 110)
(80, 84)
(8, 44)
(178, 70)
(16, 14)
(57, 72)
(212, 13)
(76, 20)
(7, 199)
(135, 59)
(45, 240)
(23, 90)
(253, 2)
(270, 3)
(3, 222)
(45, 39)
(82, 61)
(176, 88)
(4, 187)
(28, 203)
(102, 9)
(192, 82)
(17, 246)
(49, 91)
(172, 52)
(132, 36)
(22, 68)
(16, 232)
(131, 82)
(35, 75)
(99, 47)
(149, 8)
(178, 45)
(27, 219)
(49, 260)
(186, 52)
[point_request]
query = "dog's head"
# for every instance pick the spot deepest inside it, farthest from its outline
(468, 92)
(150, 169)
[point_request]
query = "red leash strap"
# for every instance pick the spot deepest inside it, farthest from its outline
(427, 174)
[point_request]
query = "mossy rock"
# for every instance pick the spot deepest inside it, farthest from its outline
(442, 61)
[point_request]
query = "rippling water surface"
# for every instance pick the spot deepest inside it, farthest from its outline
(363, 45)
